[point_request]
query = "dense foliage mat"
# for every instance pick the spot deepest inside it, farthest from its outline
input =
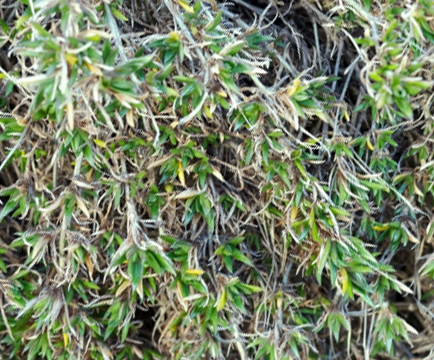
(245, 180)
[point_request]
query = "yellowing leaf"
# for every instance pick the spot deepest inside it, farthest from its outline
(93, 69)
(130, 118)
(122, 288)
(168, 187)
(294, 213)
(70, 115)
(292, 89)
(89, 263)
(345, 280)
(174, 123)
(208, 112)
(185, 6)
(71, 59)
(100, 143)
(312, 218)
(174, 36)
(370, 146)
(222, 94)
(108, 353)
(194, 30)
(178, 286)
(380, 228)
(89, 175)
(65, 339)
(180, 173)
(222, 302)
(197, 272)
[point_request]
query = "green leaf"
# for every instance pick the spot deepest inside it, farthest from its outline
(219, 250)
(374, 76)
(4, 26)
(118, 15)
(2, 265)
(135, 269)
(165, 73)
(428, 269)
(404, 106)
(41, 30)
(88, 155)
(211, 26)
(153, 262)
(10, 205)
(236, 241)
(248, 289)
(125, 330)
(314, 233)
(228, 263)
(90, 285)
(374, 185)
(238, 255)
(222, 301)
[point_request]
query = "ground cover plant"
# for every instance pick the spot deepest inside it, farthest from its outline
(214, 180)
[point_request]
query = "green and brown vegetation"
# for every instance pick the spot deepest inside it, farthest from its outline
(205, 180)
